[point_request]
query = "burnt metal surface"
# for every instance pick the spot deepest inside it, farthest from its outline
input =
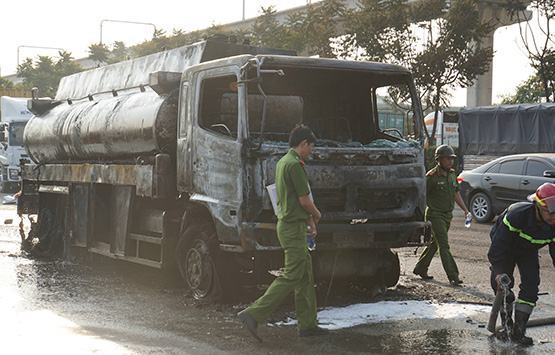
(122, 204)
(130, 73)
(333, 236)
(111, 128)
(111, 114)
(368, 183)
(80, 204)
(333, 64)
(369, 197)
(135, 72)
(140, 176)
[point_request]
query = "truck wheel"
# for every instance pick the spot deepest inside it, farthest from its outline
(392, 272)
(196, 261)
(481, 207)
(387, 273)
(9, 187)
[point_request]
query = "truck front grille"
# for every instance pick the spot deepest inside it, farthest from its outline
(372, 200)
(359, 200)
(330, 200)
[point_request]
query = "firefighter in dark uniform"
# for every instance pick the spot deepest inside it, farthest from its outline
(516, 237)
(442, 191)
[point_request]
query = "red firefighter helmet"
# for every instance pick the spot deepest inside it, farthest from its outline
(545, 196)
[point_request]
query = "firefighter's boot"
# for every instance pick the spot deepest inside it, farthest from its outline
(518, 333)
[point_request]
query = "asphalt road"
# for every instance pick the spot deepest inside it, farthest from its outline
(55, 307)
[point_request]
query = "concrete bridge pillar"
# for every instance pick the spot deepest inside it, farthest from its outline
(480, 94)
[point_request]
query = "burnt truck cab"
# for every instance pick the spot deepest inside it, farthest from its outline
(368, 181)
(164, 161)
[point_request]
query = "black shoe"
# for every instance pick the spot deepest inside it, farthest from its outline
(518, 333)
(250, 323)
(456, 282)
(313, 332)
(423, 275)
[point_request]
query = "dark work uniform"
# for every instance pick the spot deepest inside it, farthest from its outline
(440, 198)
(516, 238)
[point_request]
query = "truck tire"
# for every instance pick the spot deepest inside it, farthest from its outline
(392, 271)
(10, 187)
(210, 274)
(387, 274)
(196, 260)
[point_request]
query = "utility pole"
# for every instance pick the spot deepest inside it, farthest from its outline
(244, 10)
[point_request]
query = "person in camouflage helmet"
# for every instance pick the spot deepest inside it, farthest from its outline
(442, 191)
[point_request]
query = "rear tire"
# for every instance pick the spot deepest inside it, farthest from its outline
(481, 207)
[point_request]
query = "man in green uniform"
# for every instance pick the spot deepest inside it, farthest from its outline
(296, 212)
(442, 191)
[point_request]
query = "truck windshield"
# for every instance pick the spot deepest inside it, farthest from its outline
(342, 107)
(15, 137)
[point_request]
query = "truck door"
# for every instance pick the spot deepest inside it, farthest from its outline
(216, 142)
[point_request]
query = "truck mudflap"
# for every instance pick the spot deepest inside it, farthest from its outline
(262, 236)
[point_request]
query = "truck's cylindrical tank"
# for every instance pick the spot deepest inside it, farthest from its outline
(109, 128)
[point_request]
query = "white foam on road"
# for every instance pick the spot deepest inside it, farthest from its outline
(387, 311)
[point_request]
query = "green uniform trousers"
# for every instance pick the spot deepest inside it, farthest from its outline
(297, 278)
(440, 240)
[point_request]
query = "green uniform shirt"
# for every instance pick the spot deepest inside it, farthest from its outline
(441, 190)
(291, 183)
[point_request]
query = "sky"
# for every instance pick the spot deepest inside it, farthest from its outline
(74, 25)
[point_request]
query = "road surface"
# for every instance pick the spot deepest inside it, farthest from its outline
(55, 307)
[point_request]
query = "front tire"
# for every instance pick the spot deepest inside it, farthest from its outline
(481, 207)
(392, 272)
(196, 260)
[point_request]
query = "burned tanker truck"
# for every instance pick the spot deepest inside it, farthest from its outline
(164, 161)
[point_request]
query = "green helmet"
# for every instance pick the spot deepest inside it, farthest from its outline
(445, 151)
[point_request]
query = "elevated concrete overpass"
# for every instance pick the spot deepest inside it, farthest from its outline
(480, 94)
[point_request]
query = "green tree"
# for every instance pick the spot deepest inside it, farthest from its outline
(529, 91)
(309, 32)
(435, 39)
(267, 31)
(46, 72)
(102, 54)
(5, 84)
(312, 32)
(119, 52)
(99, 52)
(538, 39)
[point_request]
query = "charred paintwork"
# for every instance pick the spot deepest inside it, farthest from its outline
(108, 128)
(140, 176)
(151, 140)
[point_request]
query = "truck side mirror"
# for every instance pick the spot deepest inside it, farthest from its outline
(549, 174)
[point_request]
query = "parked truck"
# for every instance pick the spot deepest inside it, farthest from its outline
(14, 116)
(164, 161)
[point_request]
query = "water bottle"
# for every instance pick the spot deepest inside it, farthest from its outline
(468, 220)
(311, 242)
